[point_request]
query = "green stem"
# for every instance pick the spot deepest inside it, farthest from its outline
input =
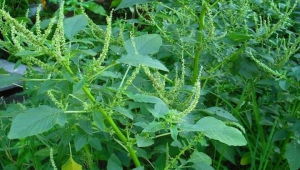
(200, 40)
(257, 115)
(110, 121)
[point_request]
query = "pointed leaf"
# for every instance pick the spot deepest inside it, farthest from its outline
(86, 125)
(80, 140)
(95, 143)
(35, 121)
(73, 25)
(145, 44)
(143, 141)
(135, 60)
(71, 165)
(99, 121)
(124, 112)
(45, 86)
(114, 163)
(221, 112)
(77, 86)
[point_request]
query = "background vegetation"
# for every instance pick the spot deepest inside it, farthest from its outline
(169, 84)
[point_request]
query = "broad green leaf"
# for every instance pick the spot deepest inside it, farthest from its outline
(145, 44)
(99, 121)
(35, 121)
(153, 127)
(114, 163)
(280, 135)
(239, 37)
(284, 85)
(198, 157)
(155, 113)
(45, 86)
(135, 60)
(139, 168)
(217, 130)
(9, 79)
(86, 125)
(292, 155)
(77, 86)
(161, 108)
(94, 7)
(129, 3)
(143, 141)
(80, 140)
(74, 25)
(145, 98)
(124, 112)
(202, 166)
(44, 152)
(95, 143)
(71, 165)
(221, 112)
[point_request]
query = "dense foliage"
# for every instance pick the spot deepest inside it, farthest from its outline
(172, 84)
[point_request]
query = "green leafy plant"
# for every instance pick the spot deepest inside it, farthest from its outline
(120, 97)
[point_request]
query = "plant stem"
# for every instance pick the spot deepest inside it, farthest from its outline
(200, 40)
(110, 121)
(257, 115)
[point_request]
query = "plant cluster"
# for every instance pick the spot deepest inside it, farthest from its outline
(180, 85)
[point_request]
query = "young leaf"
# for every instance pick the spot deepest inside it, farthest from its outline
(114, 163)
(35, 121)
(71, 165)
(145, 44)
(143, 142)
(73, 25)
(135, 60)
(292, 155)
